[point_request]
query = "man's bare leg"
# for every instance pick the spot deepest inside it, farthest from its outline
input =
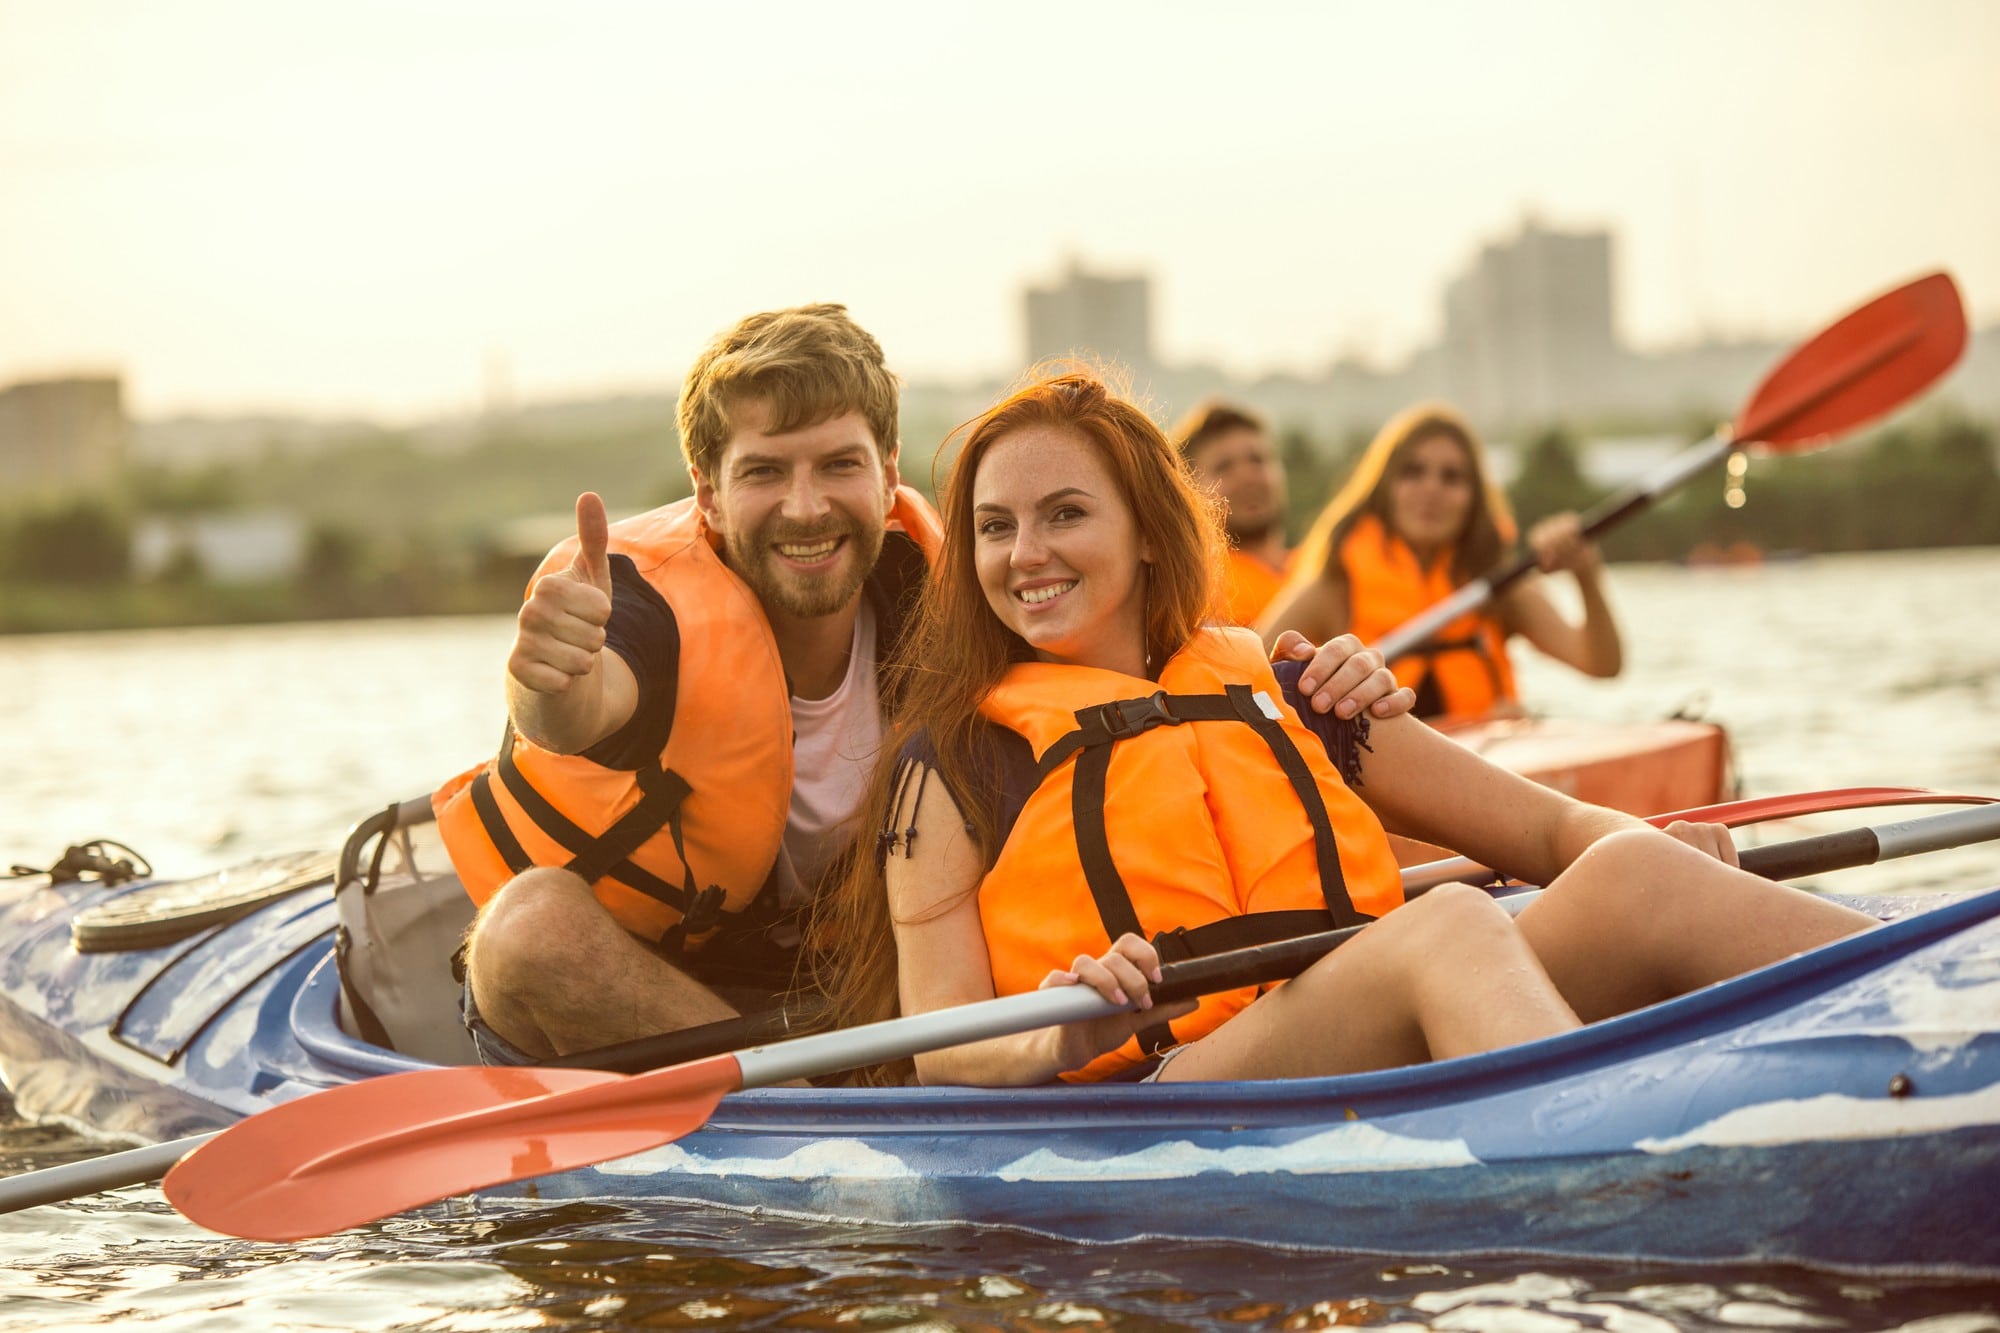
(554, 973)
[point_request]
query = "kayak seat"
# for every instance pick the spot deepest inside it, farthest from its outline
(402, 914)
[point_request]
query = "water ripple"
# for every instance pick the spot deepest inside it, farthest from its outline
(1830, 672)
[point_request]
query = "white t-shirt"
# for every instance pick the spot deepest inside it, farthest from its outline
(834, 746)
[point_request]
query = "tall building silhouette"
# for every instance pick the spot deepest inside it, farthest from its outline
(60, 436)
(1102, 315)
(1529, 328)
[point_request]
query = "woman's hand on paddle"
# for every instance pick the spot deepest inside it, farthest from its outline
(1122, 974)
(1343, 677)
(1713, 839)
(1558, 543)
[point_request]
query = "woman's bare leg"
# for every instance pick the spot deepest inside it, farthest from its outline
(1447, 975)
(1641, 918)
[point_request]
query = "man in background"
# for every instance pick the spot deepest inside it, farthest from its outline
(1230, 451)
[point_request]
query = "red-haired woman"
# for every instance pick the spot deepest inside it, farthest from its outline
(1088, 764)
(1420, 518)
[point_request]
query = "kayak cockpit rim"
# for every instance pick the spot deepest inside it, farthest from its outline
(1713, 1010)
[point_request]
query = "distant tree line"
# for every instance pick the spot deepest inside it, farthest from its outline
(1930, 481)
(392, 529)
(70, 566)
(1926, 483)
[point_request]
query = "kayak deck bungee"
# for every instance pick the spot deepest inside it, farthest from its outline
(1841, 1108)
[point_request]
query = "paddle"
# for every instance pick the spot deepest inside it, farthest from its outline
(368, 1150)
(1868, 363)
(73, 1180)
(1812, 855)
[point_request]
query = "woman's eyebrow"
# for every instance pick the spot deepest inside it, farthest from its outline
(1050, 498)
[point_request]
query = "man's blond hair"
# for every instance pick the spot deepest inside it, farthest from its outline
(808, 364)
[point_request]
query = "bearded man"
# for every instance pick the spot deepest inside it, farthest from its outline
(1229, 450)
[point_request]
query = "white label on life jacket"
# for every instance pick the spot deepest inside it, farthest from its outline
(1270, 708)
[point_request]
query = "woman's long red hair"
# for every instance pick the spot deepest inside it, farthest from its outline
(956, 650)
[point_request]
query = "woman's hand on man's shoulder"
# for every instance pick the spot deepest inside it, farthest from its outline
(1343, 677)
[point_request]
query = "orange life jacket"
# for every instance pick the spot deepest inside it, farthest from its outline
(1183, 810)
(1248, 585)
(1387, 585)
(694, 834)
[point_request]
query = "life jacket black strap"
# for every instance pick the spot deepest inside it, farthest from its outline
(1121, 719)
(1093, 844)
(510, 848)
(1332, 881)
(1100, 871)
(701, 909)
(1099, 728)
(662, 792)
(1240, 932)
(1430, 696)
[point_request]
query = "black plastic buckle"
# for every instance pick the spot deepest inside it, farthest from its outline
(1122, 719)
(1173, 946)
(705, 912)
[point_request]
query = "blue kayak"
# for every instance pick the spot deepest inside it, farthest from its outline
(1840, 1109)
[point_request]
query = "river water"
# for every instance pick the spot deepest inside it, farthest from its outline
(201, 748)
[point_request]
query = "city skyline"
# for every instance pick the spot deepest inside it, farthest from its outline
(383, 210)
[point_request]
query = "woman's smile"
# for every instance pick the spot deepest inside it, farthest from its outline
(1043, 593)
(1058, 551)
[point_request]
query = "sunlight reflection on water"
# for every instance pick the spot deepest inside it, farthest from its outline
(204, 747)
(594, 1266)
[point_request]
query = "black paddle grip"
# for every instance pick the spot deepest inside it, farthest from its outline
(730, 1034)
(1813, 856)
(1284, 959)
(1253, 966)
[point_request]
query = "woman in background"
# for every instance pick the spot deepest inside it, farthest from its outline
(1420, 518)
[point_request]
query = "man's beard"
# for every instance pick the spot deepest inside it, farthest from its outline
(1244, 534)
(755, 559)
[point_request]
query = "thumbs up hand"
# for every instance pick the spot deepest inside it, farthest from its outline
(564, 692)
(592, 564)
(559, 638)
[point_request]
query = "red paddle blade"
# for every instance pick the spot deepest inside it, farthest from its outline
(370, 1150)
(1872, 361)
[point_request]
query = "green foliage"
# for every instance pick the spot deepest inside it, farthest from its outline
(399, 529)
(1550, 479)
(1923, 484)
(1927, 481)
(79, 542)
(152, 489)
(1312, 474)
(1308, 478)
(184, 569)
(387, 486)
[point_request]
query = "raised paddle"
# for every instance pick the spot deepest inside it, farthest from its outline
(1865, 365)
(365, 1151)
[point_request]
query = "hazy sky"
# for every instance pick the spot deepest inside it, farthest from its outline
(355, 206)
